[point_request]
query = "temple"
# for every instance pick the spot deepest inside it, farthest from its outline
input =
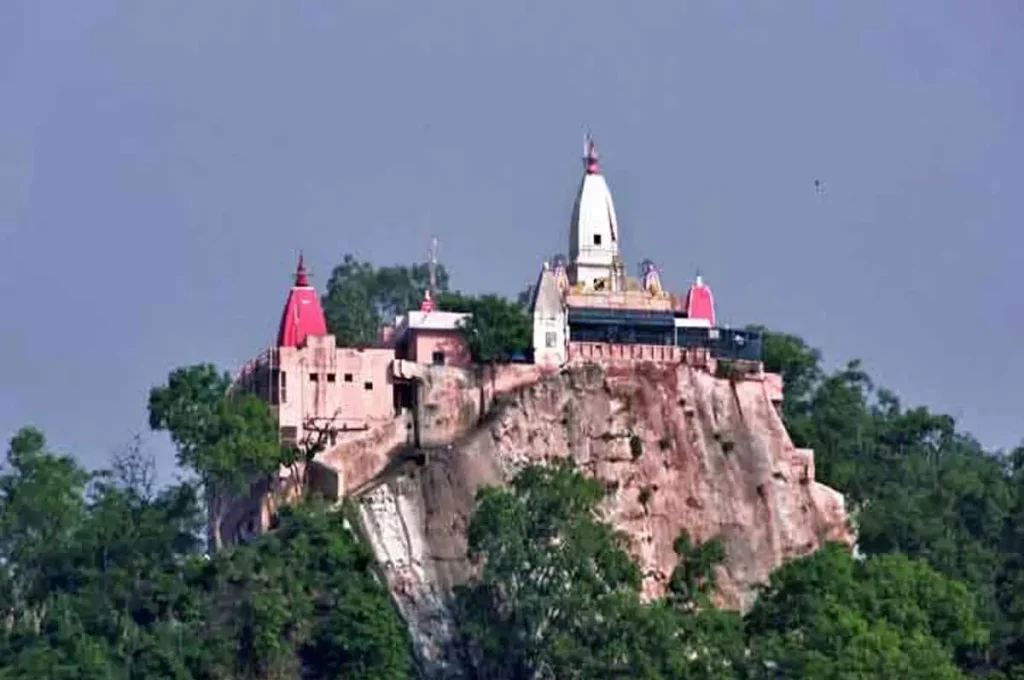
(586, 303)
(584, 307)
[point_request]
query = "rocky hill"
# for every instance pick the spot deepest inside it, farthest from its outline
(676, 447)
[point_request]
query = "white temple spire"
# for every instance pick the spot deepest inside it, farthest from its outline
(594, 228)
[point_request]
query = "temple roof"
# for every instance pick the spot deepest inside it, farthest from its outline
(547, 298)
(303, 316)
(700, 303)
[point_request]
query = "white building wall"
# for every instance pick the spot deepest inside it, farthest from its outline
(550, 339)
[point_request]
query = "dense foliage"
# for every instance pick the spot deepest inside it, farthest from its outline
(360, 298)
(916, 486)
(104, 576)
(497, 329)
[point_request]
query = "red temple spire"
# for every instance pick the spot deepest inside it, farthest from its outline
(303, 316)
(301, 277)
(700, 304)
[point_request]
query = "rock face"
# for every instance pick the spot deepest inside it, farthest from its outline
(676, 447)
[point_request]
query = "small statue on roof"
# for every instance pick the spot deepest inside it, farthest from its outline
(560, 272)
(650, 280)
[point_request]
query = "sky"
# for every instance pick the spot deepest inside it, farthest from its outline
(162, 163)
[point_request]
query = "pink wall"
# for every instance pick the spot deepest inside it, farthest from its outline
(349, 386)
(595, 351)
(427, 341)
(773, 386)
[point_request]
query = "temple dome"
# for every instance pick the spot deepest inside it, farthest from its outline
(700, 303)
(303, 316)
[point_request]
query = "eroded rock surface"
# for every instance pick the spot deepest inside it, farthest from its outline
(676, 447)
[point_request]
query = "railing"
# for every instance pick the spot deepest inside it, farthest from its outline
(722, 343)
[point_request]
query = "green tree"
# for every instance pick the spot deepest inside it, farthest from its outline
(228, 439)
(548, 568)
(360, 298)
(829, 616)
(41, 507)
(97, 565)
(302, 601)
(496, 330)
(557, 594)
(102, 577)
(693, 580)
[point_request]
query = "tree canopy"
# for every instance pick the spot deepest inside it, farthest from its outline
(228, 439)
(102, 578)
(497, 329)
(360, 298)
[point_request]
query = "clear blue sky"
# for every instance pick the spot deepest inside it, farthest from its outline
(161, 163)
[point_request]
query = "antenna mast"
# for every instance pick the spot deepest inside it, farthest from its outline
(433, 265)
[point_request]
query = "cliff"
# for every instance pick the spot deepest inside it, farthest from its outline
(675, 446)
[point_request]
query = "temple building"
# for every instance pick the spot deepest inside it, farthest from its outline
(313, 385)
(590, 300)
(579, 305)
(584, 307)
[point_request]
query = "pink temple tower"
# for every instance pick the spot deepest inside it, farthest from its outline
(700, 303)
(303, 316)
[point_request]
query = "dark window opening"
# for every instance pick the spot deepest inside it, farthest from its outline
(550, 337)
(437, 358)
(284, 387)
(367, 385)
(348, 377)
(290, 435)
(274, 383)
(313, 377)
(597, 239)
(330, 377)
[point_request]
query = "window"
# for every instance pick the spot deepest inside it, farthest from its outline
(438, 358)
(313, 377)
(550, 338)
(289, 435)
(284, 387)
(597, 239)
(367, 385)
(348, 377)
(330, 377)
